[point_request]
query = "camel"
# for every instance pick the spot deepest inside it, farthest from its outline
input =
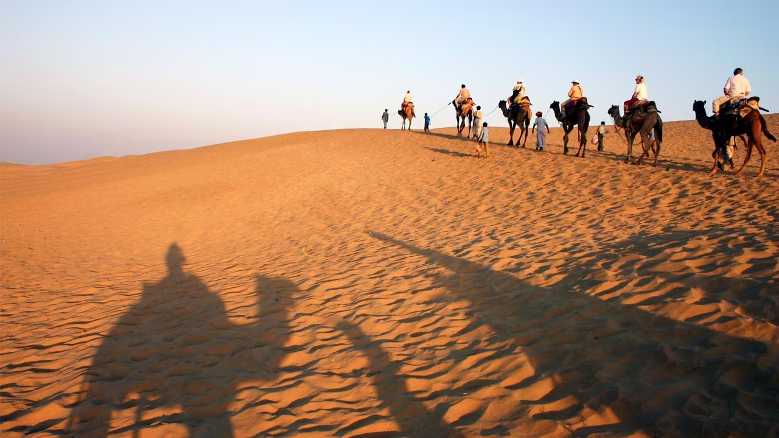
(407, 113)
(642, 122)
(463, 111)
(580, 116)
(517, 116)
(728, 126)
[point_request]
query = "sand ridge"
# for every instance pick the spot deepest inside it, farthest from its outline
(385, 283)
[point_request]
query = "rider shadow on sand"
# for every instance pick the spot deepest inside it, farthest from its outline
(176, 348)
(653, 373)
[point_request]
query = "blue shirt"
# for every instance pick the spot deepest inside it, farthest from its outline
(540, 124)
(427, 119)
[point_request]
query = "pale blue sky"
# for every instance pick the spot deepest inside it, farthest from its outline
(92, 78)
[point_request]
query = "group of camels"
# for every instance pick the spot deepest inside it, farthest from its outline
(645, 122)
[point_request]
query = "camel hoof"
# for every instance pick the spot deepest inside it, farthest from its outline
(511, 143)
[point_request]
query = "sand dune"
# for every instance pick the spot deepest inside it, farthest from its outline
(386, 283)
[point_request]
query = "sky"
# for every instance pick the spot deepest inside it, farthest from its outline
(82, 79)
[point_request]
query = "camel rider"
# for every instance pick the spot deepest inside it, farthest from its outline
(575, 94)
(640, 95)
(408, 99)
(462, 96)
(736, 88)
(518, 93)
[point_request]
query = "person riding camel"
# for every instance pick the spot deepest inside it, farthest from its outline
(736, 88)
(575, 94)
(408, 99)
(462, 96)
(518, 93)
(640, 95)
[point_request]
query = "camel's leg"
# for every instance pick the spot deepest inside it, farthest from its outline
(763, 157)
(512, 125)
(750, 144)
(565, 141)
(631, 138)
(644, 142)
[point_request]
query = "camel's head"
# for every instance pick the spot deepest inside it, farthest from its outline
(699, 105)
(502, 104)
(613, 111)
(555, 105)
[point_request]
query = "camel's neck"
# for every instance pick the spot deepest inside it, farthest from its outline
(702, 118)
(504, 109)
(557, 114)
(617, 119)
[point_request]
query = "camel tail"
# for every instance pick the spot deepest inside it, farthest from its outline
(765, 129)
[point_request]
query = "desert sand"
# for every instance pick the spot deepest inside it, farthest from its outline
(385, 283)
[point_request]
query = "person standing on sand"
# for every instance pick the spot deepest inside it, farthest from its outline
(484, 138)
(541, 124)
(601, 135)
(385, 118)
(478, 116)
(427, 124)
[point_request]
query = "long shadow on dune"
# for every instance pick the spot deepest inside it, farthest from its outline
(451, 153)
(176, 348)
(653, 373)
(412, 416)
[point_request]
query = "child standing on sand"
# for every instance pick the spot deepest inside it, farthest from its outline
(484, 138)
(427, 124)
(540, 123)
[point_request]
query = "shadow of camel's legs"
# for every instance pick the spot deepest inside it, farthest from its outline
(412, 416)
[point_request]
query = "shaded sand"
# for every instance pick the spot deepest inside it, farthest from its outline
(385, 283)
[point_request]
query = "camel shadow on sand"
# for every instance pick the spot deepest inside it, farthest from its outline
(653, 373)
(176, 348)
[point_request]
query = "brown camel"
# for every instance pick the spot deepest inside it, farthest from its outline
(407, 113)
(643, 122)
(517, 115)
(461, 113)
(730, 125)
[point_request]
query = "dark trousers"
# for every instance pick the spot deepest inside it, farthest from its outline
(600, 142)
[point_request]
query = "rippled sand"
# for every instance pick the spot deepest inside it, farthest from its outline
(385, 283)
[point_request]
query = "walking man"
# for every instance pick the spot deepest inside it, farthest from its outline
(385, 118)
(601, 134)
(541, 124)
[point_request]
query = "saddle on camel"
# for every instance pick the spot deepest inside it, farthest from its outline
(639, 109)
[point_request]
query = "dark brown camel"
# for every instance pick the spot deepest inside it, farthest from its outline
(407, 113)
(729, 125)
(517, 116)
(578, 116)
(461, 113)
(642, 122)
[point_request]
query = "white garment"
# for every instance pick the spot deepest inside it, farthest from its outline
(737, 86)
(408, 98)
(640, 92)
(520, 89)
